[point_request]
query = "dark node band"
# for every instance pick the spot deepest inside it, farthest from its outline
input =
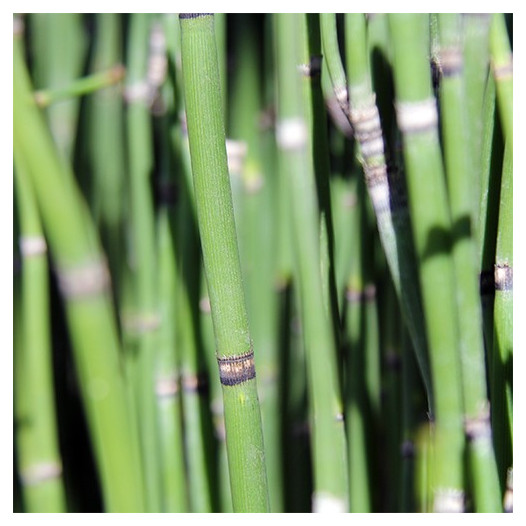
(184, 16)
(166, 192)
(315, 66)
(234, 370)
(487, 283)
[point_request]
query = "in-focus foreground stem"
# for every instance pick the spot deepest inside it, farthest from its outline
(215, 214)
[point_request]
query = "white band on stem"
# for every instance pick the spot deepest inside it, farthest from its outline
(326, 503)
(32, 246)
(236, 152)
(140, 91)
(414, 117)
(503, 278)
(291, 134)
(88, 279)
(448, 501)
(40, 472)
(166, 387)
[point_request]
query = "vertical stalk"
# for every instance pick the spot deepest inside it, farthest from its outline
(328, 447)
(502, 376)
(36, 433)
(196, 378)
(455, 132)
(489, 199)
(84, 283)
(256, 227)
(106, 146)
(319, 148)
(145, 321)
(356, 403)
(386, 191)
(417, 119)
(475, 46)
(502, 362)
(168, 370)
(215, 215)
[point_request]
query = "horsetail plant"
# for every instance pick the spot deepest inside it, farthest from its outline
(292, 139)
(387, 191)
(418, 121)
(83, 279)
(459, 176)
(324, 199)
(37, 436)
(235, 355)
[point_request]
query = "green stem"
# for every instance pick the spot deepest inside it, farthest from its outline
(146, 318)
(79, 87)
(386, 191)
(59, 47)
(83, 280)
(502, 67)
(39, 459)
(235, 355)
(453, 102)
(502, 362)
(417, 120)
(328, 446)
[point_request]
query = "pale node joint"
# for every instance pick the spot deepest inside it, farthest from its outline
(450, 61)
(508, 494)
(85, 280)
(478, 427)
(142, 323)
(41, 472)
(448, 500)
(503, 71)
(137, 92)
(291, 134)
(236, 152)
(417, 117)
(503, 277)
(327, 503)
(166, 386)
(32, 245)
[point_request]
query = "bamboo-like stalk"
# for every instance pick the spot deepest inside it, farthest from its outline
(39, 458)
(502, 68)
(417, 119)
(235, 356)
(82, 86)
(333, 60)
(387, 191)
(200, 393)
(328, 440)
(59, 47)
(168, 388)
(491, 162)
(319, 147)
(502, 363)
(455, 138)
(106, 143)
(83, 279)
(475, 46)
(357, 414)
(256, 228)
(144, 322)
